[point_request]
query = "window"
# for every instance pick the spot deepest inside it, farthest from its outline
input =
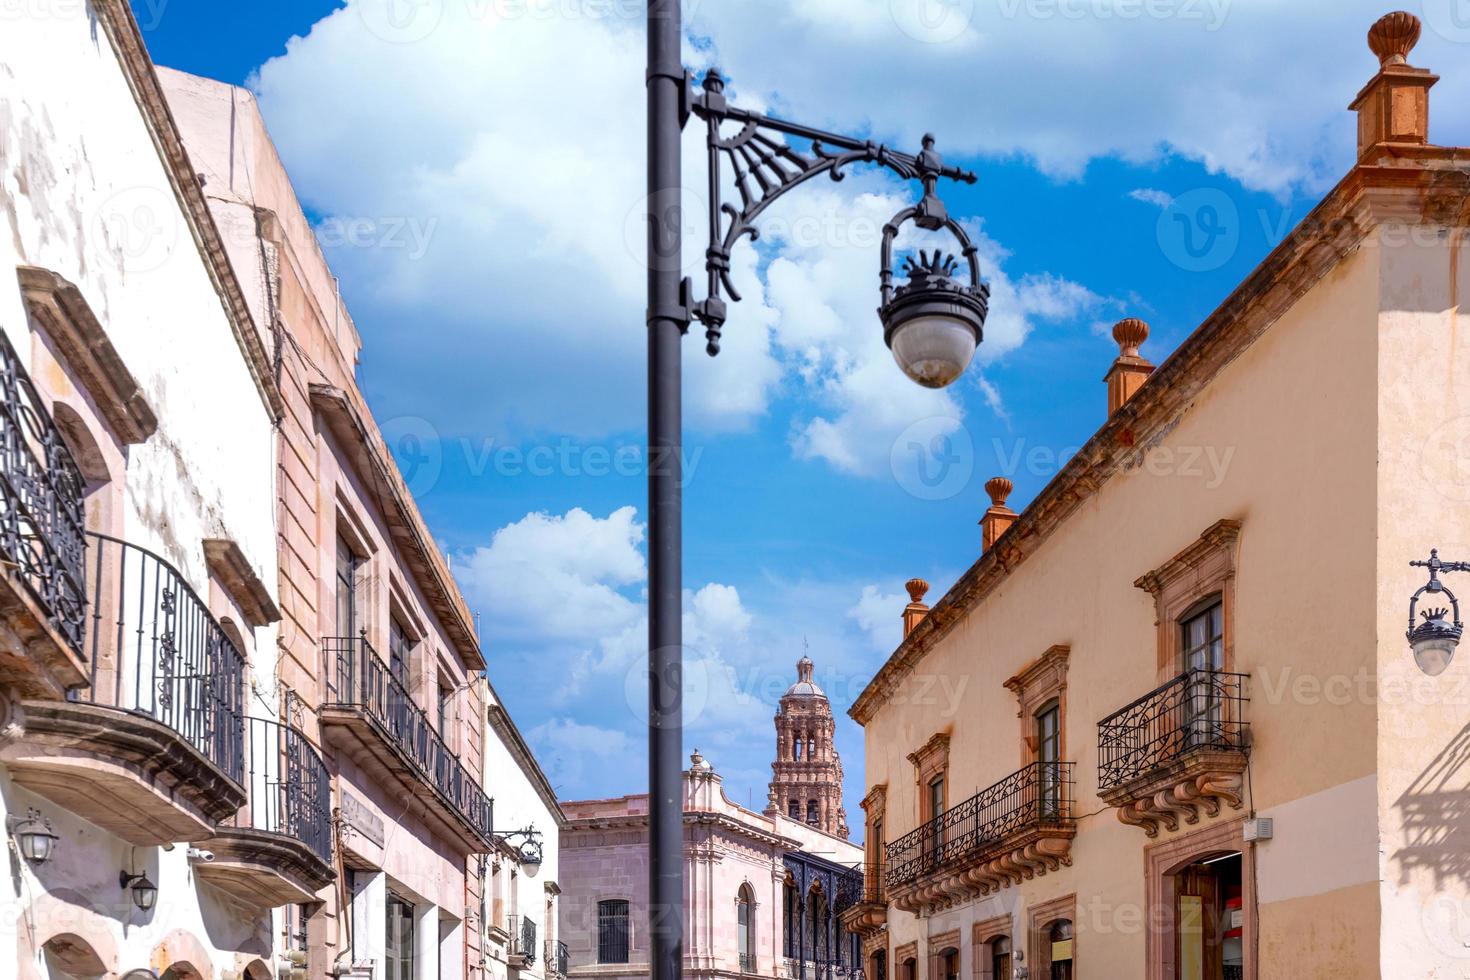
(1202, 650)
(793, 809)
(910, 969)
(446, 709)
(612, 931)
(347, 566)
(400, 649)
(880, 965)
(797, 747)
(1048, 755)
(745, 919)
(949, 962)
(1060, 936)
(1000, 958)
(936, 808)
(398, 951)
(812, 811)
(1202, 639)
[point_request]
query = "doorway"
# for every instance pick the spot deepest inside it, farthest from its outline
(1210, 919)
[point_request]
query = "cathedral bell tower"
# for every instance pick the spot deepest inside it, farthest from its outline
(806, 778)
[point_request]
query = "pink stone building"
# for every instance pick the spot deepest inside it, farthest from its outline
(763, 892)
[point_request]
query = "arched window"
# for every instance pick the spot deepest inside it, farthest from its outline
(745, 919)
(880, 965)
(910, 969)
(812, 812)
(1000, 958)
(612, 931)
(1060, 936)
(949, 962)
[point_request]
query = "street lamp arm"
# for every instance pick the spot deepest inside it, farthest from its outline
(764, 167)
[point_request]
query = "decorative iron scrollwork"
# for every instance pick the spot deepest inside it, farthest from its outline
(763, 167)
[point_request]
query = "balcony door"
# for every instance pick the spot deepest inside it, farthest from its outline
(1049, 757)
(1202, 655)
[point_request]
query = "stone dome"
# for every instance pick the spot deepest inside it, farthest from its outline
(805, 687)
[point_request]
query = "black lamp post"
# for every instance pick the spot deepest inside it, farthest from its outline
(932, 324)
(1434, 640)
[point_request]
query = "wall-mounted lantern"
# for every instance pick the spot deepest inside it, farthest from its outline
(145, 892)
(1434, 639)
(33, 836)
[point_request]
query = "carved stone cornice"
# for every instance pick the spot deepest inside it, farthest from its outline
(1412, 185)
(1192, 786)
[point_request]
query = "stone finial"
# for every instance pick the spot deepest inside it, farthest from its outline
(999, 488)
(1393, 36)
(998, 516)
(1130, 334)
(914, 612)
(698, 762)
(1129, 370)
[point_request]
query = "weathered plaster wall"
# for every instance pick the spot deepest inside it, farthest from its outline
(83, 193)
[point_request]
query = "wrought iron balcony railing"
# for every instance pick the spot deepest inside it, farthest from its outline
(747, 962)
(523, 939)
(290, 788)
(1036, 796)
(558, 960)
(873, 881)
(41, 513)
(360, 679)
(155, 650)
(1198, 710)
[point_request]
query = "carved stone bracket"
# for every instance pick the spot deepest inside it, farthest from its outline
(1195, 787)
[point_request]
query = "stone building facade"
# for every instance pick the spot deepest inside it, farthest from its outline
(806, 777)
(145, 736)
(378, 653)
(1193, 741)
(764, 894)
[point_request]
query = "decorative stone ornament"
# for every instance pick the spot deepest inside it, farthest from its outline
(1393, 36)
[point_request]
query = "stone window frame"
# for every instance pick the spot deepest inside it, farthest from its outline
(934, 947)
(1162, 860)
(1035, 686)
(931, 761)
(901, 955)
(1181, 585)
(875, 810)
(1040, 918)
(982, 934)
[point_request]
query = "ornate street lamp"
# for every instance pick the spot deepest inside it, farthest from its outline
(33, 836)
(1434, 640)
(528, 851)
(932, 324)
(145, 892)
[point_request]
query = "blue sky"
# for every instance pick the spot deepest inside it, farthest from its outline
(475, 171)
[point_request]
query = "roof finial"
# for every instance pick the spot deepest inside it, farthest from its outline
(1393, 36)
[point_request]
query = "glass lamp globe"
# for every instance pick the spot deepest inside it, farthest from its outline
(34, 838)
(531, 857)
(1433, 642)
(933, 324)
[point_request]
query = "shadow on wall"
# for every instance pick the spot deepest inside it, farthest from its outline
(1435, 814)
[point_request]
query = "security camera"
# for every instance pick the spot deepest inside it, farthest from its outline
(199, 854)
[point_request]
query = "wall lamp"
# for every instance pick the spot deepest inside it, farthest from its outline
(1434, 640)
(145, 892)
(33, 836)
(528, 851)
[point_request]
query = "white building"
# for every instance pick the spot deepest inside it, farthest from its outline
(519, 920)
(137, 529)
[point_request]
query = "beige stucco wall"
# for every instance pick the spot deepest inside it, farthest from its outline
(1290, 427)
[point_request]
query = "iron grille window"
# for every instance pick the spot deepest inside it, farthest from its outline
(612, 931)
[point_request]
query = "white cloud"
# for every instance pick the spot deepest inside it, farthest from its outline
(880, 616)
(593, 759)
(1151, 195)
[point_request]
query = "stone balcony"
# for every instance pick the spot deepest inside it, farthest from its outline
(278, 849)
(370, 717)
(152, 748)
(1017, 829)
(1177, 753)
